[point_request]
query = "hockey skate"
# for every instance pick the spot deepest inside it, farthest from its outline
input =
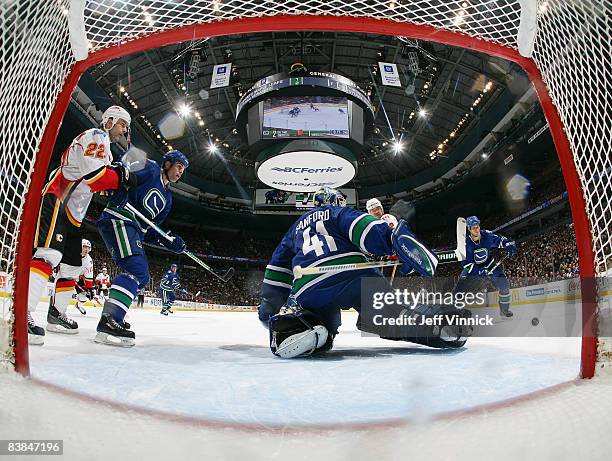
(81, 308)
(114, 333)
(60, 323)
(505, 312)
(166, 311)
(36, 334)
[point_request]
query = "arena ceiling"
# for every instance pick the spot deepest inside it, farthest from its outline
(452, 89)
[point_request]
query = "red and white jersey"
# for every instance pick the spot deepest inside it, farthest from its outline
(84, 171)
(103, 280)
(87, 270)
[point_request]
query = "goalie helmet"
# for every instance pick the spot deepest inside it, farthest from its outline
(329, 196)
(115, 113)
(472, 221)
(86, 243)
(175, 156)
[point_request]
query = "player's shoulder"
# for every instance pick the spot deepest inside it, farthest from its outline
(151, 167)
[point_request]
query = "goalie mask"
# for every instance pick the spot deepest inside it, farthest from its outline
(329, 196)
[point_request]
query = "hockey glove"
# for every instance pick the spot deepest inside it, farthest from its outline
(127, 179)
(177, 245)
(510, 248)
(411, 252)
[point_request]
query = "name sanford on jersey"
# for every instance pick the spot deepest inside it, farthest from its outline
(315, 216)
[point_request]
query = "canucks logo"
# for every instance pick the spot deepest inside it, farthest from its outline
(481, 255)
(154, 202)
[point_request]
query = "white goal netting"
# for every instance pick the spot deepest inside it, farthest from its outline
(572, 51)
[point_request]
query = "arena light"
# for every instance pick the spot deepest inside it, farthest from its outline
(212, 148)
(397, 147)
(422, 113)
(184, 110)
(459, 18)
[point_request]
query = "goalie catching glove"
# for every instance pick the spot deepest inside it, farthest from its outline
(414, 255)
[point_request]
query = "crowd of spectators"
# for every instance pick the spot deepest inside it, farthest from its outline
(548, 256)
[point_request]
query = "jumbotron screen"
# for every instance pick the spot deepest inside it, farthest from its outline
(305, 117)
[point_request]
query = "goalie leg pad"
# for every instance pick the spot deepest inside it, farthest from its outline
(450, 327)
(297, 333)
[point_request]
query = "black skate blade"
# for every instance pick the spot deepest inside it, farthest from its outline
(105, 338)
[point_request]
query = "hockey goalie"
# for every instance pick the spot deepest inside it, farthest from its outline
(303, 314)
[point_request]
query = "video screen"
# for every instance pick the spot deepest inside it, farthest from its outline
(306, 117)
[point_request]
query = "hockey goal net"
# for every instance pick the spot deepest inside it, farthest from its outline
(563, 45)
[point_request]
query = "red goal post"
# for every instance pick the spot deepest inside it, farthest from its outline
(569, 68)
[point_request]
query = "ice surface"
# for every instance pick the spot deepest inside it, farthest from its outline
(217, 366)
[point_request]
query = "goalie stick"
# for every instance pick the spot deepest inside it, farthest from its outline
(225, 277)
(461, 251)
(299, 271)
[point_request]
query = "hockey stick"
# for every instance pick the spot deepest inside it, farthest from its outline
(225, 277)
(299, 271)
(489, 272)
(461, 250)
(393, 275)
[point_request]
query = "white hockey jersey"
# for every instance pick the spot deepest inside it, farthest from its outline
(87, 270)
(84, 171)
(103, 281)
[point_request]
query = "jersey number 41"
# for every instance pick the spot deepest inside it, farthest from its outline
(314, 243)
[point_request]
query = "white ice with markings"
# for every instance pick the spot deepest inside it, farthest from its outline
(325, 119)
(217, 366)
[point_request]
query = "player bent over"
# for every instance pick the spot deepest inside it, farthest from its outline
(479, 263)
(124, 235)
(332, 234)
(84, 287)
(169, 282)
(85, 169)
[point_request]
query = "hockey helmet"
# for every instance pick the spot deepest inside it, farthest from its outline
(115, 113)
(86, 243)
(173, 266)
(329, 196)
(373, 203)
(472, 221)
(176, 156)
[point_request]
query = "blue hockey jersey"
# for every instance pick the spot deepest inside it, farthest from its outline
(170, 281)
(479, 254)
(151, 198)
(327, 235)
